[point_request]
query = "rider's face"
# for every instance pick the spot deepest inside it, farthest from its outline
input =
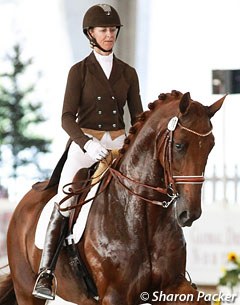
(105, 36)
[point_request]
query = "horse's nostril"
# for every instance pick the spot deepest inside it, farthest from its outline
(183, 216)
(185, 219)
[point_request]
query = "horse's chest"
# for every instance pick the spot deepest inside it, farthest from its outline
(168, 262)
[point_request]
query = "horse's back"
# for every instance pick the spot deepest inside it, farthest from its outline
(28, 210)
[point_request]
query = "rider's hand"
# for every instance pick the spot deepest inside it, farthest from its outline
(95, 150)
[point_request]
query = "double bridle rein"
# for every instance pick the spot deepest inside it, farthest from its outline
(169, 192)
(171, 181)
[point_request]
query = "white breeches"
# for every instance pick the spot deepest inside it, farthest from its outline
(76, 160)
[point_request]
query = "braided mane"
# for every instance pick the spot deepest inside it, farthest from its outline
(166, 97)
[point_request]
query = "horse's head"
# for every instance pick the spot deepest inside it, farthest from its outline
(184, 143)
(165, 154)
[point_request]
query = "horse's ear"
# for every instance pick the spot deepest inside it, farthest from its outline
(184, 103)
(215, 106)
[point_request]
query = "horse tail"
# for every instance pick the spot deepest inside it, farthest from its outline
(7, 293)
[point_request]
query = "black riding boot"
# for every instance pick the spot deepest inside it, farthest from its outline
(55, 235)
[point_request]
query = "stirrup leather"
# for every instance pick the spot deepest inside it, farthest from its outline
(40, 295)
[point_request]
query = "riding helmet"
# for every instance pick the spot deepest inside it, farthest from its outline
(101, 15)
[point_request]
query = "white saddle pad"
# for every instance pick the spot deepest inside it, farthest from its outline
(78, 228)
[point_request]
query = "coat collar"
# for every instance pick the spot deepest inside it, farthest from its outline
(117, 69)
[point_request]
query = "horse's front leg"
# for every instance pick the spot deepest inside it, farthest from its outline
(113, 297)
(182, 292)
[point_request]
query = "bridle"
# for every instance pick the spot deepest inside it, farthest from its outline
(170, 191)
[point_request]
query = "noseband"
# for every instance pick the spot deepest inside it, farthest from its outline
(170, 180)
(169, 177)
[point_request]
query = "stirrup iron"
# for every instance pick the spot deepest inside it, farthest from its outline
(40, 295)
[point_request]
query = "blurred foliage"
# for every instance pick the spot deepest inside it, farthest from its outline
(19, 116)
(231, 274)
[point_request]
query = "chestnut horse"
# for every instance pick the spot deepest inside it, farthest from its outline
(133, 244)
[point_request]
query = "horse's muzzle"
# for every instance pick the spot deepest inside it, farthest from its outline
(185, 218)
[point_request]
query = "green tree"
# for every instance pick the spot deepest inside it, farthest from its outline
(19, 116)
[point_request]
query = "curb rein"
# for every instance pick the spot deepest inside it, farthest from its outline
(170, 180)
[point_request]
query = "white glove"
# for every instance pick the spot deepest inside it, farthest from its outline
(95, 150)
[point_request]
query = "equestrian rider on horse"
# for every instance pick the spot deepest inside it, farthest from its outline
(97, 90)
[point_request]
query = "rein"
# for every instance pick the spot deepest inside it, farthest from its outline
(90, 183)
(170, 191)
(170, 180)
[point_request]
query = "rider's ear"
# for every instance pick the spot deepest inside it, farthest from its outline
(215, 106)
(184, 102)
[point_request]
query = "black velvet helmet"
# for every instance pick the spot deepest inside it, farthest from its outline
(101, 15)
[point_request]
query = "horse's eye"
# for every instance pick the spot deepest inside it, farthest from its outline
(179, 146)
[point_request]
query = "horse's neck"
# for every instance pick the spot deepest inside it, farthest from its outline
(139, 163)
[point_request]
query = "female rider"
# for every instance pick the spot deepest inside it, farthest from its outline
(97, 89)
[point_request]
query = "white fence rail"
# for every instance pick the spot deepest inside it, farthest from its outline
(224, 188)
